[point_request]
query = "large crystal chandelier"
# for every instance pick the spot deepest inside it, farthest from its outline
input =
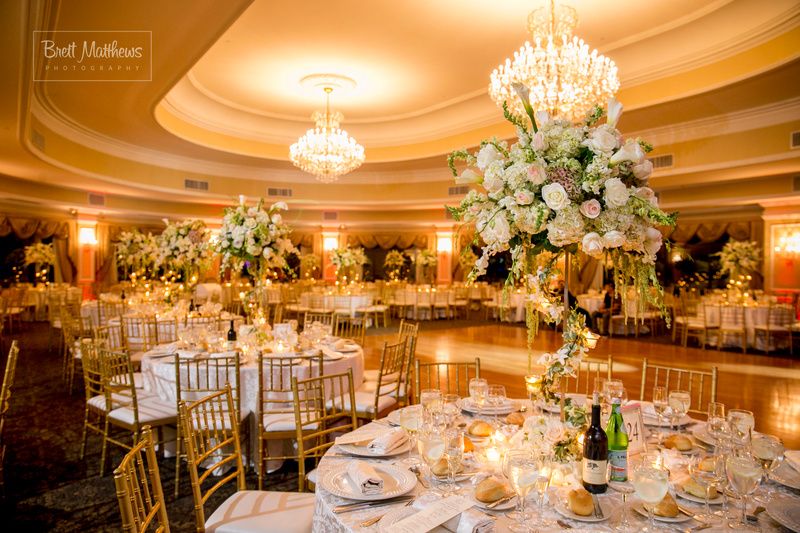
(327, 151)
(565, 78)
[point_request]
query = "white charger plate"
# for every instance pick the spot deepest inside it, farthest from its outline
(510, 504)
(786, 476)
(508, 406)
(364, 451)
(563, 509)
(692, 498)
(786, 511)
(637, 506)
(394, 417)
(396, 482)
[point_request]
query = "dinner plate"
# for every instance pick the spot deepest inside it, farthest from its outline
(394, 416)
(786, 511)
(396, 482)
(692, 498)
(510, 504)
(563, 509)
(506, 407)
(786, 476)
(637, 506)
(701, 434)
(364, 451)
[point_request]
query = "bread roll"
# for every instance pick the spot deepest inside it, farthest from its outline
(666, 507)
(707, 464)
(479, 428)
(678, 442)
(580, 502)
(515, 418)
(441, 468)
(491, 489)
(695, 489)
(468, 446)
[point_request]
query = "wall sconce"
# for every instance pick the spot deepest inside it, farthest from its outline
(330, 241)
(87, 235)
(787, 240)
(444, 242)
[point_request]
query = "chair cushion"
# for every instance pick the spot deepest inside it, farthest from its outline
(152, 410)
(365, 402)
(372, 375)
(118, 400)
(250, 511)
(371, 386)
(283, 422)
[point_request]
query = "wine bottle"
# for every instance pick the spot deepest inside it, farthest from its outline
(617, 444)
(232, 338)
(595, 454)
(122, 295)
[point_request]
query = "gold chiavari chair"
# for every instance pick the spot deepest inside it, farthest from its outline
(139, 334)
(701, 384)
(450, 378)
(702, 325)
(196, 378)
(375, 399)
(54, 305)
(14, 300)
(407, 331)
(211, 435)
(323, 408)
(166, 330)
(5, 400)
(732, 322)
(460, 304)
(95, 406)
(202, 321)
(126, 409)
(139, 493)
(778, 324)
(275, 412)
(108, 310)
(322, 318)
(350, 327)
(111, 336)
(590, 369)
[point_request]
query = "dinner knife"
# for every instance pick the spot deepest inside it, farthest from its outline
(598, 511)
(359, 506)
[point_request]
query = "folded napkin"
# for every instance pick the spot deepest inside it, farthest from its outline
(164, 349)
(793, 458)
(343, 344)
(365, 477)
(388, 441)
(333, 355)
(470, 521)
(189, 354)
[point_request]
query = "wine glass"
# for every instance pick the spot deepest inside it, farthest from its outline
(450, 408)
(599, 388)
(430, 444)
(708, 471)
(625, 488)
(495, 398)
(650, 483)
(504, 465)
(523, 475)
(478, 390)
(660, 405)
(453, 453)
(741, 423)
(769, 452)
(410, 420)
(545, 468)
(716, 424)
(431, 401)
(679, 403)
(744, 474)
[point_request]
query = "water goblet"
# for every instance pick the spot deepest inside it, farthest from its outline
(744, 474)
(523, 474)
(430, 444)
(708, 471)
(679, 403)
(495, 398)
(660, 405)
(625, 488)
(741, 423)
(769, 452)
(650, 483)
(478, 390)
(450, 408)
(431, 401)
(716, 423)
(454, 454)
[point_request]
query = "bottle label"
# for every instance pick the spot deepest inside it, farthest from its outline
(594, 472)
(618, 464)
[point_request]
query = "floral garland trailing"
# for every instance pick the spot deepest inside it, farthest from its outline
(255, 237)
(185, 247)
(40, 254)
(564, 188)
(136, 250)
(738, 258)
(394, 263)
(348, 257)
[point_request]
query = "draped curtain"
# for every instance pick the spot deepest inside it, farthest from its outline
(105, 257)
(388, 240)
(302, 239)
(62, 232)
(746, 230)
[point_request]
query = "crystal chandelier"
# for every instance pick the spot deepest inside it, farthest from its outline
(327, 151)
(565, 78)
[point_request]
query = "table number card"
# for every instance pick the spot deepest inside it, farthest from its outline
(434, 515)
(634, 425)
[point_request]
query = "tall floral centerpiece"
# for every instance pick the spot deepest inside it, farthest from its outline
(184, 248)
(738, 261)
(564, 188)
(42, 256)
(137, 253)
(348, 262)
(394, 263)
(426, 262)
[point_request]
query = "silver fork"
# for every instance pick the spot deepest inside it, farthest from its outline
(376, 519)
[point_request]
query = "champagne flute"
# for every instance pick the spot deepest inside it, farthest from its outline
(495, 398)
(708, 471)
(660, 405)
(716, 424)
(741, 423)
(545, 468)
(410, 420)
(514, 515)
(450, 408)
(650, 483)
(453, 453)
(744, 474)
(431, 401)
(769, 452)
(679, 403)
(523, 475)
(430, 444)
(599, 388)
(478, 390)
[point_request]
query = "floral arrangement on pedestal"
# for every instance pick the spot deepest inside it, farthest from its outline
(425, 261)
(309, 264)
(348, 262)
(739, 258)
(255, 237)
(43, 256)
(467, 259)
(394, 263)
(136, 253)
(564, 188)
(184, 247)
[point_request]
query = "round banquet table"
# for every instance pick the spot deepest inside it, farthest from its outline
(341, 303)
(591, 302)
(754, 315)
(326, 521)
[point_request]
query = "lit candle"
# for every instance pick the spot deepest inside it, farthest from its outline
(493, 455)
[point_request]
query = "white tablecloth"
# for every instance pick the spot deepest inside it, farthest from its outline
(343, 303)
(591, 302)
(755, 315)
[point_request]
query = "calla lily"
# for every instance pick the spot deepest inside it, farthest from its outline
(469, 176)
(524, 94)
(165, 221)
(614, 111)
(630, 151)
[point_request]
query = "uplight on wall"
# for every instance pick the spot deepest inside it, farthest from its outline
(330, 242)
(787, 240)
(444, 242)
(87, 235)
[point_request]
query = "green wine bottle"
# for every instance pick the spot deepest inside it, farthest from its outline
(617, 444)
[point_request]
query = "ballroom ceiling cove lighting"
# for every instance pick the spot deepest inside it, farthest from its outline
(564, 76)
(327, 151)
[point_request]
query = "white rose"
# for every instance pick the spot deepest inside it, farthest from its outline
(653, 240)
(276, 218)
(646, 193)
(496, 230)
(468, 176)
(523, 197)
(538, 142)
(616, 194)
(630, 151)
(555, 196)
(613, 239)
(592, 244)
(536, 174)
(591, 208)
(486, 155)
(643, 170)
(602, 140)
(493, 180)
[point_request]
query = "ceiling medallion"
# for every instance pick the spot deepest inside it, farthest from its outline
(565, 78)
(327, 151)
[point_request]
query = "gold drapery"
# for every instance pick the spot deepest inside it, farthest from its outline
(388, 240)
(62, 232)
(711, 231)
(105, 273)
(300, 238)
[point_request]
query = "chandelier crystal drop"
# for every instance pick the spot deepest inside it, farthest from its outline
(327, 151)
(564, 76)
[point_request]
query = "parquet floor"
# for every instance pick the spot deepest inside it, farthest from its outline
(767, 385)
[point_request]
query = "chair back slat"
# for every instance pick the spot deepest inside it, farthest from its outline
(589, 370)
(350, 327)
(449, 377)
(700, 384)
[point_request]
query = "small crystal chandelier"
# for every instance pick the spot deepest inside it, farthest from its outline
(327, 151)
(565, 78)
